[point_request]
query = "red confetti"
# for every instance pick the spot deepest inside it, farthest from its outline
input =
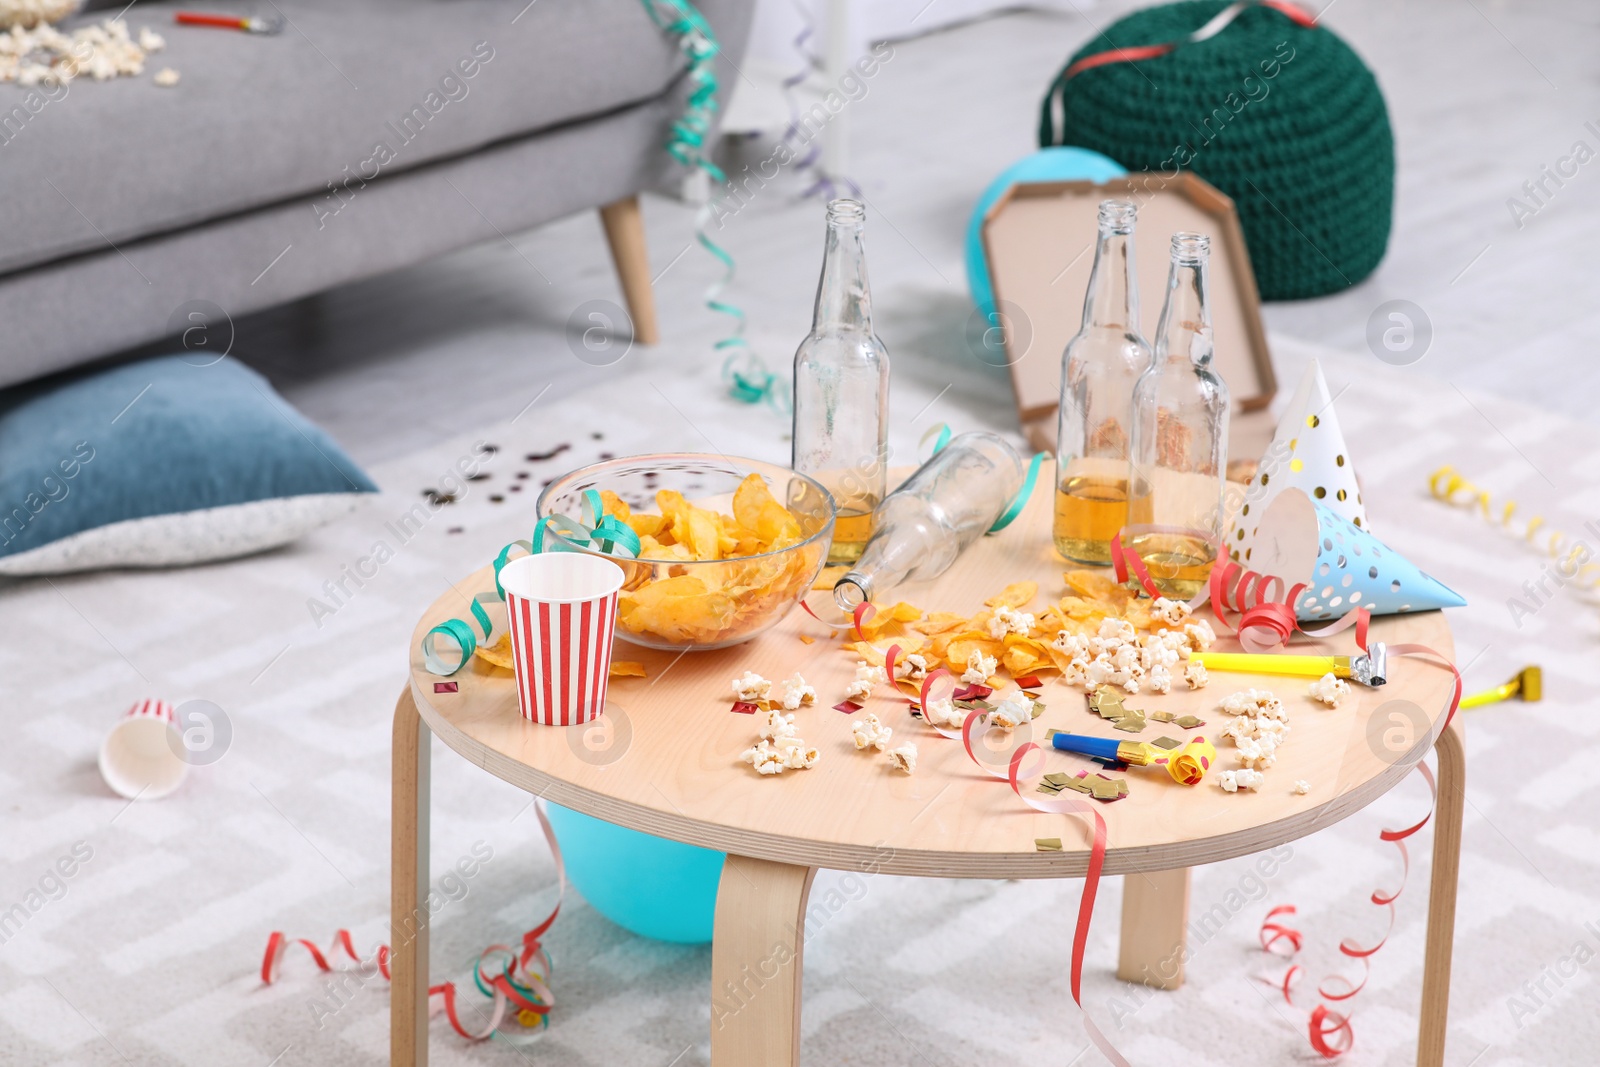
(1030, 682)
(744, 707)
(972, 692)
(446, 687)
(849, 707)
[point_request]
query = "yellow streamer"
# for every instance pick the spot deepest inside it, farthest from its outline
(1572, 556)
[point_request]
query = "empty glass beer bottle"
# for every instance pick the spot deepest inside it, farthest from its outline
(1180, 434)
(841, 387)
(921, 527)
(1098, 372)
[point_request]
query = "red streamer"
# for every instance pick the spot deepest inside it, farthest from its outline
(515, 986)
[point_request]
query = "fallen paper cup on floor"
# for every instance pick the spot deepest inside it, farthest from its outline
(562, 610)
(140, 757)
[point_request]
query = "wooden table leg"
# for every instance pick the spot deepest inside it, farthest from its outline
(1155, 918)
(408, 897)
(755, 963)
(1447, 818)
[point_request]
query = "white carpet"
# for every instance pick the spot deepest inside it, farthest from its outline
(154, 946)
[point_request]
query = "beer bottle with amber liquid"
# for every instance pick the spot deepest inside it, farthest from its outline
(841, 388)
(1180, 434)
(1098, 372)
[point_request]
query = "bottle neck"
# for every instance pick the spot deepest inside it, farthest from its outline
(1185, 331)
(1113, 298)
(843, 300)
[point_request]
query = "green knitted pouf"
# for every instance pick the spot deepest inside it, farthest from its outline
(1284, 118)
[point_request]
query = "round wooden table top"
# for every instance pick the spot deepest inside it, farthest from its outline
(665, 757)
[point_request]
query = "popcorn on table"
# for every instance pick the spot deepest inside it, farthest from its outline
(1012, 712)
(793, 692)
(1330, 690)
(1200, 634)
(915, 667)
(751, 687)
(1160, 679)
(1171, 612)
(779, 748)
(1302, 787)
(166, 77)
(979, 668)
(943, 712)
(867, 678)
(1008, 620)
(904, 758)
(1194, 673)
(1233, 781)
(871, 733)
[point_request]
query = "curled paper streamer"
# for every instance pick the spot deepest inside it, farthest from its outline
(514, 979)
(1573, 558)
(1328, 1029)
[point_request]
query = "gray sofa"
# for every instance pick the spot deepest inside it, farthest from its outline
(369, 135)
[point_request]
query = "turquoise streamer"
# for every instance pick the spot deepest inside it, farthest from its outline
(687, 143)
(1021, 499)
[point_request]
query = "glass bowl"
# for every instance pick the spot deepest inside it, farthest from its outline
(712, 603)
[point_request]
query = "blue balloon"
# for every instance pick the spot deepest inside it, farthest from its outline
(1046, 165)
(649, 885)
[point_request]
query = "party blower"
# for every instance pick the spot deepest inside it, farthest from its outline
(1187, 765)
(1370, 669)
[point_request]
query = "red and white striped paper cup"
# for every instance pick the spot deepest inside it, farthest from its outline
(138, 759)
(562, 608)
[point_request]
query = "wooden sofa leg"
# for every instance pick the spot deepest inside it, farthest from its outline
(625, 233)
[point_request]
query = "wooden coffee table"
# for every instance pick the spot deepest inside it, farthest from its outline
(668, 765)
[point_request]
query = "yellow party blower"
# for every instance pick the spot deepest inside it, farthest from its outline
(1528, 684)
(1370, 668)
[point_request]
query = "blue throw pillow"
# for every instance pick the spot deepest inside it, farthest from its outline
(158, 463)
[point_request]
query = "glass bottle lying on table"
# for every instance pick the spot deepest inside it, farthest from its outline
(841, 387)
(1098, 371)
(921, 527)
(1179, 453)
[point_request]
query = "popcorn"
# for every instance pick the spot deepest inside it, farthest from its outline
(1131, 683)
(751, 687)
(1074, 645)
(871, 733)
(1008, 620)
(904, 758)
(1200, 634)
(1171, 612)
(867, 677)
(776, 725)
(150, 40)
(1233, 781)
(1125, 658)
(1302, 787)
(1160, 679)
(1099, 671)
(1116, 630)
(764, 758)
(779, 748)
(1329, 690)
(1252, 702)
(979, 668)
(1012, 712)
(793, 692)
(1076, 673)
(166, 77)
(943, 712)
(915, 667)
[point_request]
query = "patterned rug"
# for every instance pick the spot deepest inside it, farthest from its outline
(149, 952)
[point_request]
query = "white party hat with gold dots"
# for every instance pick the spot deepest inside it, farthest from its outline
(1308, 453)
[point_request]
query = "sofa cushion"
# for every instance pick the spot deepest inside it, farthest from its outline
(351, 90)
(159, 463)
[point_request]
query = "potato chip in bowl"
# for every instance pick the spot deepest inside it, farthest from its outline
(726, 546)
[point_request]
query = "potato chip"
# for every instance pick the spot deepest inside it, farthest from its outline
(627, 668)
(1015, 595)
(612, 504)
(498, 653)
(940, 622)
(1089, 584)
(763, 516)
